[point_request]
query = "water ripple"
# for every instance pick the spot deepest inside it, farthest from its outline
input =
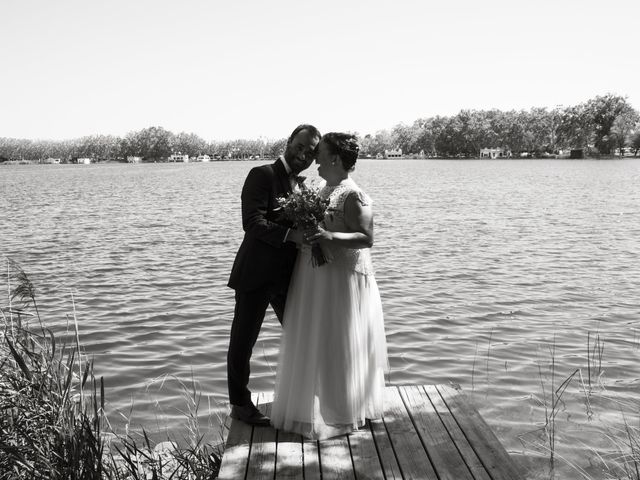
(483, 267)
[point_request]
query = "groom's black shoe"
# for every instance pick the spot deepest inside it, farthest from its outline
(249, 414)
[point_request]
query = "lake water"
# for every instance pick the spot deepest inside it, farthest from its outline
(484, 267)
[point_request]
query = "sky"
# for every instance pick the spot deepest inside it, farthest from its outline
(254, 69)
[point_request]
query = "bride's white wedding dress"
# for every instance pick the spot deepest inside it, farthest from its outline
(333, 351)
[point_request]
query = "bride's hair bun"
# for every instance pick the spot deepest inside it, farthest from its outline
(345, 145)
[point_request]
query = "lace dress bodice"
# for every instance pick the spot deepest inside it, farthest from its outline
(355, 259)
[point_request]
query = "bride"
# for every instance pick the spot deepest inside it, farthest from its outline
(333, 351)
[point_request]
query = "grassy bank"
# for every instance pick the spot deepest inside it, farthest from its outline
(52, 421)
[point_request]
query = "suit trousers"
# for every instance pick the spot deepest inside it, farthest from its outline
(248, 317)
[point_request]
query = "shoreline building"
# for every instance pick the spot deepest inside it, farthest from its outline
(495, 153)
(178, 157)
(394, 153)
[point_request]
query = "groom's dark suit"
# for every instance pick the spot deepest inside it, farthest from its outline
(261, 271)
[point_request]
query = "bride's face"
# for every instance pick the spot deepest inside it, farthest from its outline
(327, 163)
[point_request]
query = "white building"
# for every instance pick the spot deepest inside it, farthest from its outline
(178, 157)
(84, 161)
(396, 153)
(495, 153)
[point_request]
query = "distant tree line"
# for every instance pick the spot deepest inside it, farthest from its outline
(599, 126)
(151, 144)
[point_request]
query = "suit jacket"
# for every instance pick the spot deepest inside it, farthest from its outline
(264, 259)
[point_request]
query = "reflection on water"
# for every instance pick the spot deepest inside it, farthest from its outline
(482, 266)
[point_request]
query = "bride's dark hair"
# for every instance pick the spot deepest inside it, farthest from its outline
(345, 146)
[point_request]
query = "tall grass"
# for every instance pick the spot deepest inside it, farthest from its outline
(47, 428)
(52, 420)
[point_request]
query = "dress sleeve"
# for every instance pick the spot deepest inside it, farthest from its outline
(362, 198)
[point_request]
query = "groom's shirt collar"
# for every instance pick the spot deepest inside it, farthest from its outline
(286, 165)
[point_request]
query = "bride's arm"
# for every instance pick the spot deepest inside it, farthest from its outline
(358, 219)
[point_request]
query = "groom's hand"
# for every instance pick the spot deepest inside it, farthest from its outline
(296, 236)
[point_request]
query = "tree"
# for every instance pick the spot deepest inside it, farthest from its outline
(604, 111)
(541, 131)
(433, 131)
(404, 137)
(365, 146)
(623, 127)
(425, 136)
(188, 144)
(382, 140)
(576, 128)
(276, 148)
(479, 129)
(635, 143)
(99, 147)
(153, 143)
(9, 148)
(513, 130)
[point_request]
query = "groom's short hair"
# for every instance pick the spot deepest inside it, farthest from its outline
(305, 126)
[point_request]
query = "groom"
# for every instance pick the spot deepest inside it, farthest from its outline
(264, 262)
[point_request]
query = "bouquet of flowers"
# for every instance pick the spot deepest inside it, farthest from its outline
(306, 209)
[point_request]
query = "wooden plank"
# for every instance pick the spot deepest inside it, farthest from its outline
(289, 456)
(364, 455)
(236, 451)
(311, 455)
(386, 454)
(262, 459)
(296, 456)
(470, 458)
(489, 450)
(412, 457)
(335, 459)
(424, 429)
(444, 456)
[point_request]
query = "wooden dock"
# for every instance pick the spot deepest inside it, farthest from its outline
(427, 432)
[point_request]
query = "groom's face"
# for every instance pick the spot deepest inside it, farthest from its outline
(301, 151)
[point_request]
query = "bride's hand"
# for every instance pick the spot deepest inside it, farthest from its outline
(318, 235)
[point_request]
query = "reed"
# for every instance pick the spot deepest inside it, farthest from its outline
(47, 429)
(53, 423)
(625, 464)
(487, 362)
(553, 399)
(473, 368)
(594, 358)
